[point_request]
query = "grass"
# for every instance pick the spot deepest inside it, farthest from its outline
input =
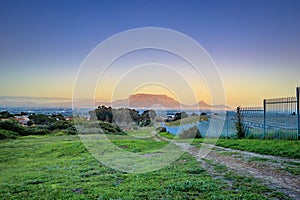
(292, 167)
(257, 159)
(229, 153)
(283, 148)
(244, 183)
(137, 145)
(187, 120)
(166, 135)
(60, 167)
(142, 132)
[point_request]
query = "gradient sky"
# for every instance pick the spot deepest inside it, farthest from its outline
(255, 44)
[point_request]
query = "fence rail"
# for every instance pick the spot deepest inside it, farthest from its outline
(278, 118)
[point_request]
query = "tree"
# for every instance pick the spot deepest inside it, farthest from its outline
(122, 116)
(60, 125)
(134, 115)
(125, 116)
(146, 117)
(241, 130)
(5, 115)
(192, 132)
(21, 114)
(152, 114)
(58, 116)
(102, 113)
(180, 115)
(41, 119)
(30, 123)
(12, 125)
(203, 114)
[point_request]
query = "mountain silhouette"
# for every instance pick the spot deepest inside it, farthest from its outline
(142, 101)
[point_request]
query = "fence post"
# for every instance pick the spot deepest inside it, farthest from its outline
(265, 112)
(298, 115)
(227, 119)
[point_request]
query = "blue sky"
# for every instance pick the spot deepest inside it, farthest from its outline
(255, 44)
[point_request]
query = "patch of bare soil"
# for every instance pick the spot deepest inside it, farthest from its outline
(271, 170)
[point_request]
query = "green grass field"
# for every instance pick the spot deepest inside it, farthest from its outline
(167, 135)
(283, 148)
(60, 167)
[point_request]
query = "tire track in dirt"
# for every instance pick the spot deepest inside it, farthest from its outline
(269, 169)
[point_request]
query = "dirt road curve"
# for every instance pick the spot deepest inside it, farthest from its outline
(273, 171)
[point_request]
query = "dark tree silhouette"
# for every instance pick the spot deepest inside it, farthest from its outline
(241, 130)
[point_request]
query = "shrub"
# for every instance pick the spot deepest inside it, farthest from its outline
(99, 128)
(161, 129)
(5, 134)
(224, 137)
(60, 125)
(64, 132)
(111, 128)
(12, 125)
(41, 119)
(93, 125)
(84, 130)
(5, 114)
(192, 132)
(36, 131)
(241, 129)
(180, 115)
(250, 136)
(71, 130)
(30, 123)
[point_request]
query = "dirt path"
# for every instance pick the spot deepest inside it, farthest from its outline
(278, 173)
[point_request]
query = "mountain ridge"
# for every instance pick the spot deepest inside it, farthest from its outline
(139, 100)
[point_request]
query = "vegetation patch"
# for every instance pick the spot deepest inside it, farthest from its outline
(190, 133)
(48, 167)
(283, 148)
(139, 146)
(187, 120)
(166, 135)
(258, 159)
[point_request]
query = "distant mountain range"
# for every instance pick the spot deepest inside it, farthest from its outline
(141, 101)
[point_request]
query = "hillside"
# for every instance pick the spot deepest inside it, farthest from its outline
(149, 100)
(164, 102)
(187, 120)
(133, 101)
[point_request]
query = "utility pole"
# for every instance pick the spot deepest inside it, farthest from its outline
(298, 114)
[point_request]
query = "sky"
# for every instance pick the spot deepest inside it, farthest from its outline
(254, 44)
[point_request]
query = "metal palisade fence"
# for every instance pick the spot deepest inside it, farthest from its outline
(279, 118)
(253, 121)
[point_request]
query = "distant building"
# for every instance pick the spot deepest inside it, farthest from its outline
(70, 118)
(22, 119)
